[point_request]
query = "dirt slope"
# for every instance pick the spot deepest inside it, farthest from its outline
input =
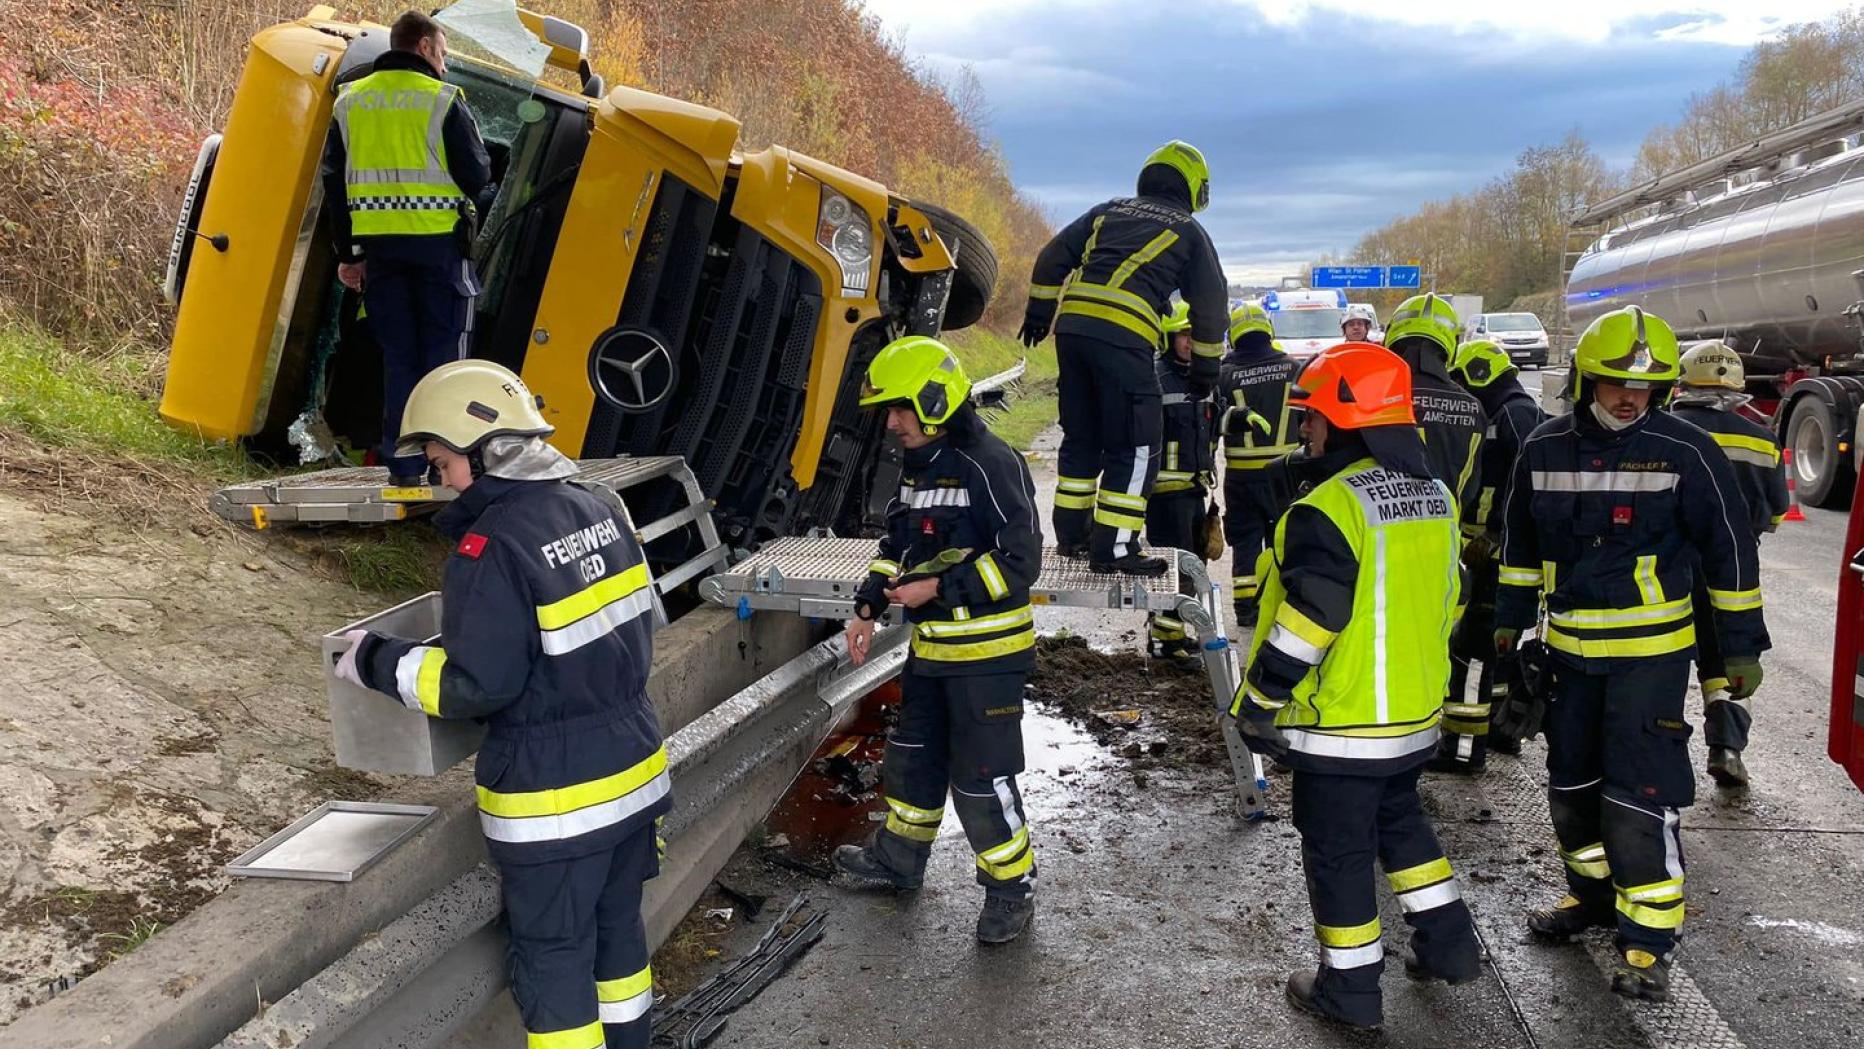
(160, 711)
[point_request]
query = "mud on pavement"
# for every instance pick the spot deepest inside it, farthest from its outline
(1155, 713)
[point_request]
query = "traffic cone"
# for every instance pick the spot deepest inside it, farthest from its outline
(1792, 491)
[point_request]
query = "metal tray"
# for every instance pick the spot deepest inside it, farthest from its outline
(335, 841)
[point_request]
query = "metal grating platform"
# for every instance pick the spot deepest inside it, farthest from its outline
(818, 577)
(362, 494)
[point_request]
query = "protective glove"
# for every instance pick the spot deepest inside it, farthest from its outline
(1260, 734)
(1505, 638)
(346, 664)
(1033, 331)
(1744, 677)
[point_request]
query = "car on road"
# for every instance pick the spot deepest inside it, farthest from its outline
(1520, 335)
(1305, 321)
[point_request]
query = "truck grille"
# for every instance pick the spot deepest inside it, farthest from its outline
(741, 316)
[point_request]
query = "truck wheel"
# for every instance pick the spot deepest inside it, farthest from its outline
(976, 276)
(1821, 474)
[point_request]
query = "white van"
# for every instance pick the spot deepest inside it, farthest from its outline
(1306, 321)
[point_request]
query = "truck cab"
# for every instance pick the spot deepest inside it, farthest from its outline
(664, 291)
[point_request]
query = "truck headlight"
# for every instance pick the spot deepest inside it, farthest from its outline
(846, 232)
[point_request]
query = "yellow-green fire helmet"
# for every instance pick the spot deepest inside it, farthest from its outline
(920, 371)
(1480, 362)
(1186, 160)
(1247, 318)
(1629, 347)
(1179, 319)
(1428, 316)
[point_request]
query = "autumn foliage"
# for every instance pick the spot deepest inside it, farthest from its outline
(104, 102)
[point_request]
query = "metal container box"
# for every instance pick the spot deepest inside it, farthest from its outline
(375, 733)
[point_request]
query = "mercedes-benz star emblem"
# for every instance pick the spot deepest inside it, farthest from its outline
(632, 370)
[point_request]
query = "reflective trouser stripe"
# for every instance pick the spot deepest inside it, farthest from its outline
(1010, 860)
(1588, 861)
(1350, 946)
(1075, 493)
(912, 822)
(588, 1036)
(626, 999)
(1165, 628)
(1242, 586)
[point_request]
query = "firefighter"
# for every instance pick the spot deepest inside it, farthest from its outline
(546, 635)
(1476, 688)
(1611, 510)
(962, 546)
(1346, 686)
(404, 152)
(1258, 424)
(1126, 257)
(1358, 323)
(1710, 393)
(1175, 515)
(1423, 331)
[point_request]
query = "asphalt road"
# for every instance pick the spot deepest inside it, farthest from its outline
(1163, 922)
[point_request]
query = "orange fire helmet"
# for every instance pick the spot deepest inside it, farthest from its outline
(1355, 385)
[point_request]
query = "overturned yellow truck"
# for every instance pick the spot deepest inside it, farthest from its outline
(664, 291)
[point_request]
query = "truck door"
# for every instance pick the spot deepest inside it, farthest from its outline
(1846, 742)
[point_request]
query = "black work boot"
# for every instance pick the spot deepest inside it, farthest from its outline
(1131, 564)
(1727, 768)
(1503, 743)
(1245, 616)
(1303, 992)
(1417, 970)
(860, 863)
(1641, 974)
(1072, 551)
(1003, 919)
(1568, 918)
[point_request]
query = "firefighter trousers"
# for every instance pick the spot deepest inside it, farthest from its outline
(1112, 431)
(1725, 719)
(1476, 690)
(1618, 774)
(1248, 499)
(962, 735)
(578, 956)
(419, 296)
(1175, 520)
(1345, 823)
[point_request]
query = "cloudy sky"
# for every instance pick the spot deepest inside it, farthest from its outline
(1322, 119)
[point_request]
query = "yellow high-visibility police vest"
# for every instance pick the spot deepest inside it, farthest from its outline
(396, 176)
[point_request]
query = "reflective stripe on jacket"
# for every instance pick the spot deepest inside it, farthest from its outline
(1613, 527)
(967, 514)
(1259, 423)
(1358, 598)
(547, 633)
(1113, 271)
(396, 177)
(1754, 453)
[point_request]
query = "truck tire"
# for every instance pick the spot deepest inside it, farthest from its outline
(976, 277)
(1821, 474)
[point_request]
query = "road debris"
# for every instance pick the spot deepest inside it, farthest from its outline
(698, 1017)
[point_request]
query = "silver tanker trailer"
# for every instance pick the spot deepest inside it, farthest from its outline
(1763, 248)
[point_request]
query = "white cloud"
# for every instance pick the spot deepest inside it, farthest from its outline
(1736, 22)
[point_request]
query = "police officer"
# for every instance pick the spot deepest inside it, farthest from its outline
(1357, 324)
(1710, 394)
(1175, 515)
(1423, 331)
(1612, 509)
(405, 158)
(1259, 427)
(1126, 256)
(961, 549)
(1346, 686)
(1475, 686)
(546, 634)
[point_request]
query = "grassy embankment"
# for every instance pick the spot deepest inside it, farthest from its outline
(1032, 406)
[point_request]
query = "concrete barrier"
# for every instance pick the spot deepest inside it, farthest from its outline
(255, 943)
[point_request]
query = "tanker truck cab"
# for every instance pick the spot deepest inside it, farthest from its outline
(663, 292)
(1305, 322)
